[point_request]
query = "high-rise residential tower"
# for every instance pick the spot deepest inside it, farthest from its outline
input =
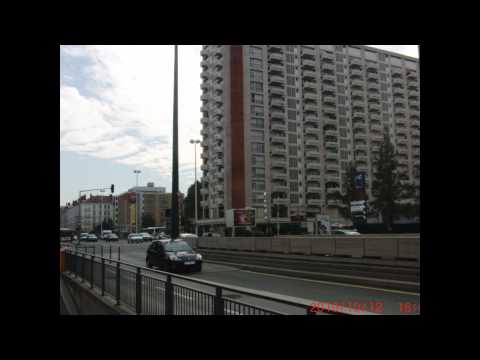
(286, 120)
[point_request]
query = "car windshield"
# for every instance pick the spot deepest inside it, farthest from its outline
(177, 246)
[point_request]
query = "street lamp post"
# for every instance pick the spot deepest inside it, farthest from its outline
(195, 142)
(137, 172)
(174, 213)
(101, 213)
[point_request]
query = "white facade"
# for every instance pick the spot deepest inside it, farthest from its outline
(309, 110)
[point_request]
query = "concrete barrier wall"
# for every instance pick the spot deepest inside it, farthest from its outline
(409, 248)
(386, 247)
(301, 246)
(350, 247)
(323, 246)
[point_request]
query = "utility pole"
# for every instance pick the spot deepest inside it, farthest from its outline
(174, 221)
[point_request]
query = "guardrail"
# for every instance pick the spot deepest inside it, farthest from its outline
(153, 292)
(383, 247)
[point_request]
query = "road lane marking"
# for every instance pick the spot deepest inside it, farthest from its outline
(337, 283)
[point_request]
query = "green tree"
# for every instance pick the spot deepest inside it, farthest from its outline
(147, 221)
(349, 193)
(386, 186)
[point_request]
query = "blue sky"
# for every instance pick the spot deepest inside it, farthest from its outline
(116, 113)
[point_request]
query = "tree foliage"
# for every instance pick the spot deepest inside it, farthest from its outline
(189, 206)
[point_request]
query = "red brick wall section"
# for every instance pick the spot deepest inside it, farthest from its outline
(238, 146)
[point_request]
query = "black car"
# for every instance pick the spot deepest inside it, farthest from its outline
(173, 256)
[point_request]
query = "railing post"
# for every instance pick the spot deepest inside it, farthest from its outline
(138, 297)
(219, 307)
(119, 253)
(110, 254)
(169, 296)
(101, 251)
(83, 268)
(118, 284)
(91, 272)
(103, 276)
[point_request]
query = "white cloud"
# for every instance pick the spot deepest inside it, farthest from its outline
(127, 115)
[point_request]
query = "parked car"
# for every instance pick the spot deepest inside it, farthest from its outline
(134, 238)
(92, 237)
(211, 234)
(146, 236)
(84, 237)
(187, 235)
(111, 237)
(173, 256)
(344, 232)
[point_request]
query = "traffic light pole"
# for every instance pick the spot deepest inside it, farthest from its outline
(174, 221)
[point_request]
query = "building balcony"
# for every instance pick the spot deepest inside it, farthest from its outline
(204, 203)
(358, 115)
(275, 57)
(374, 97)
(328, 67)
(331, 133)
(314, 189)
(309, 75)
(279, 175)
(218, 162)
(332, 179)
(277, 102)
(359, 135)
(328, 89)
(275, 150)
(310, 96)
(331, 155)
(312, 130)
(332, 167)
(317, 202)
(218, 99)
(277, 90)
(373, 88)
(204, 120)
(308, 85)
(218, 188)
(359, 125)
(279, 163)
(218, 123)
(372, 76)
(357, 83)
(204, 132)
(397, 81)
(275, 68)
(276, 80)
(218, 202)
(328, 79)
(279, 140)
(329, 121)
(371, 67)
(204, 155)
(329, 110)
(311, 119)
(308, 53)
(356, 63)
(415, 133)
(312, 165)
(398, 92)
(331, 145)
(279, 187)
(308, 64)
(312, 142)
(313, 177)
(277, 115)
(329, 100)
(376, 128)
(312, 153)
(413, 94)
(412, 75)
(311, 108)
(354, 73)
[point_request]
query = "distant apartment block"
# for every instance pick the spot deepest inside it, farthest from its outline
(287, 120)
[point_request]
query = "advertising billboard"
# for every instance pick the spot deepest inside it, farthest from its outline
(244, 217)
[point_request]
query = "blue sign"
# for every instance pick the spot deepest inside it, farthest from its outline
(359, 181)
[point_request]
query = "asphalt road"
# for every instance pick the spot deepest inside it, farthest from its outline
(354, 297)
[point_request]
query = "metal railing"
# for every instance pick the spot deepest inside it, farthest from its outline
(152, 292)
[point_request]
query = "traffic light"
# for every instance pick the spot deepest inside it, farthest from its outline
(112, 188)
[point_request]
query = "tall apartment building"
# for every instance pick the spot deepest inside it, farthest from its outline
(287, 120)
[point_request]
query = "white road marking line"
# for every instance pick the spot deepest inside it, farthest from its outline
(337, 283)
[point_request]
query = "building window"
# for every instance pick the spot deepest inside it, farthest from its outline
(257, 148)
(290, 58)
(343, 155)
(255, 52)
(290, 80)
(340, 78)
(293, 174)
(341, 101)
(383, 77)
(292, 151)
(256, 76)
(343, 132)
(256, 63)
(291, 103)
(257, 135)
(258, 172)
(341, 89)
(258, 185)
(339, 57)
(292, 138)
(339, 67)
(291, 91)
(343, 121)
(385, 106)
(289, 48)
(257, 123)
(256, 86)
(381, 57)
(290, 69)
(257, 110)
(292, 115)
(383, 86)
(293, 162)
(343, 143)
(339, 48)
(294, 187)
(294, 198)
(257, 98)
(383, 66)
(292, 127)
